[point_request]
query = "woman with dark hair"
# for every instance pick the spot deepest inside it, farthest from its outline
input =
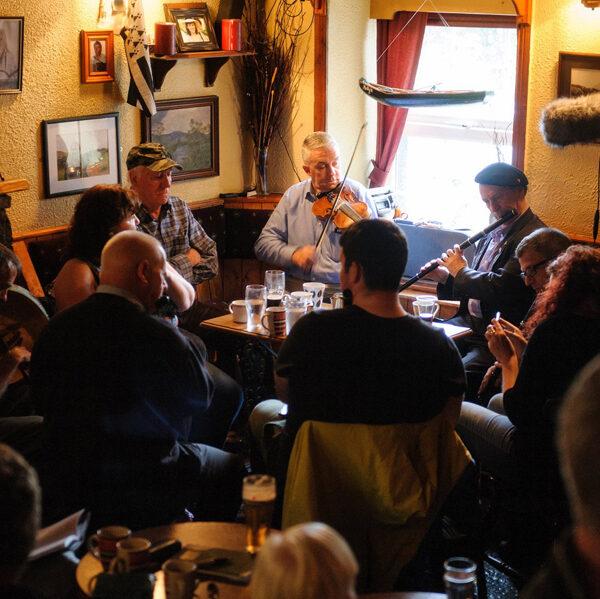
(103, 211)
(515, 442)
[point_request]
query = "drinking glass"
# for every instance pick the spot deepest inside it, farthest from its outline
(459, 578)
(275, 284)
(256, 302)
(426, 307)
(258, 495)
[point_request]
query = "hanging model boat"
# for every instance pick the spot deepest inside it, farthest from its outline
(408, 98)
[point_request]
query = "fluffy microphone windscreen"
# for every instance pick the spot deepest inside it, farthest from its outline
(568, 121)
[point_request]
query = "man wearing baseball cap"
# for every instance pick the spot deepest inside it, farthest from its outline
(189, 249)
(194, 255)
(493, 283)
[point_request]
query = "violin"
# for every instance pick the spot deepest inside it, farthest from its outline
(349, 208)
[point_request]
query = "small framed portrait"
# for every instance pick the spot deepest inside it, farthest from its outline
(194, 31)
(11, 55)
(189, 129)
(80, 152)
(578, 74)
(97, 57)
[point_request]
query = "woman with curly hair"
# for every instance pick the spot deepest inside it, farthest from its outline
(514, 440)
(103, 211)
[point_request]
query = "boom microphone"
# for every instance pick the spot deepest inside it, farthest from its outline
(568, 121)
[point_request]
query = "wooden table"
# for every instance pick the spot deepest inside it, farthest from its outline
(225, 324)
(207, 535)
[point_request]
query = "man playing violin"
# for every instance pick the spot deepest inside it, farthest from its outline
(289, 239)
(493, 283)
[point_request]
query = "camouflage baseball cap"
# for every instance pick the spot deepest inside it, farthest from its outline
(151, 155)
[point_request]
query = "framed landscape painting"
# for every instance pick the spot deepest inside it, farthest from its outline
(80, 152)
(189, 130)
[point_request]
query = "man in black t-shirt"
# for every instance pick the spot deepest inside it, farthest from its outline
(370, 362)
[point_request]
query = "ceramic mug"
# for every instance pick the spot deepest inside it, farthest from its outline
(274, 320)
(103, 544)
(317, 291)
(180, 578)
(238, 309)
(132, 554)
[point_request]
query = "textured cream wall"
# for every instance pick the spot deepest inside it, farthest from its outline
(563, 181)
(52, 89)
(350, 56)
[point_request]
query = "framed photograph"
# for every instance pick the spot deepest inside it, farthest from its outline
(80, 152)
(97, 56)
(11, 55)
(189, 129)
(578, 74)
(194, 31)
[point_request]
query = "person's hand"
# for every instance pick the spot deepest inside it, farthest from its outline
(193, 256)
(499, 343)
(515, 335)
(19, 355)
(453, 260)
(305, 257)
(439, 275)
(489, 378)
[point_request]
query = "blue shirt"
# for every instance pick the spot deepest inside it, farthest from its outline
(293, 225)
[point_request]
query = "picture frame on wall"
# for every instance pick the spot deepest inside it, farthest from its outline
(189, 130)
(80, 152)
(578, 74)
(97, 57)
(11, 55)
(194, 31)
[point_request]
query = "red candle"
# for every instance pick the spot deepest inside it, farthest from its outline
(231, 34)
(164, 38)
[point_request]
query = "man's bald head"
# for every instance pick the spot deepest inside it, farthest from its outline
(134, 261)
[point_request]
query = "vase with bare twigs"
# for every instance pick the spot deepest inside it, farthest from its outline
(270, 76)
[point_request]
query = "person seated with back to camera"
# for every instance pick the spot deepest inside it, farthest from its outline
(367, 363)
(102, 212)
(518, 446)
(307, 561)
(534, 253)
(117, 388)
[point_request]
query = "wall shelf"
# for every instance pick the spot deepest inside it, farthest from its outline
(163, 63)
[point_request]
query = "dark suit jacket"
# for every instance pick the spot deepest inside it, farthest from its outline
(117, 389)
(502, 288)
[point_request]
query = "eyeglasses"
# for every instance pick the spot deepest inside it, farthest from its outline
(531, 271)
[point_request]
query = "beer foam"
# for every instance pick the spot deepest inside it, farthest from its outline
(260, 489)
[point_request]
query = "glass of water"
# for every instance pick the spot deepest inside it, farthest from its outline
(256, 302)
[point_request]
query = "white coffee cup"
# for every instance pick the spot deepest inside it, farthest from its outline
(317, 291)
(180, 578)
(238, 309)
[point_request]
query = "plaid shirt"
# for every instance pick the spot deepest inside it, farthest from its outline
(178, 231)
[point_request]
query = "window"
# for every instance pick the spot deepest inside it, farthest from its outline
(443, 148)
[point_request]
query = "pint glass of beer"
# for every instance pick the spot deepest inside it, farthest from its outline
(258, 494)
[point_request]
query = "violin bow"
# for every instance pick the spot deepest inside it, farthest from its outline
(339, 193)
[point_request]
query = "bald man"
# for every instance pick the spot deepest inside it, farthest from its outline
(118, 389)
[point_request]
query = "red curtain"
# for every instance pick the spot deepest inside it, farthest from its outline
(396, 68)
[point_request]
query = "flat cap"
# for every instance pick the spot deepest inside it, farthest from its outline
(151, 155)
(503, 175)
